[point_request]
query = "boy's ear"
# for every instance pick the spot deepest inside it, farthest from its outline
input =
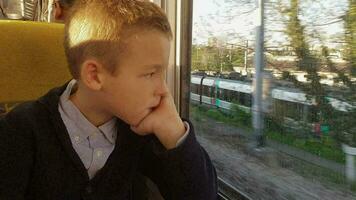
(92, 74)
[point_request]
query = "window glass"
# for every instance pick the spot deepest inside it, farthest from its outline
(308, 101)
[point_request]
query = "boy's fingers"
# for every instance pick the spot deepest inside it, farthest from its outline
(136, 130)
(139, 130)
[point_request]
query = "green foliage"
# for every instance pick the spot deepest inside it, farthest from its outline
(240, 116)
(213, 58)
(274, 124)
(341, 125)
(326, 147)
(345, 127)
(305, 60)
(217, 115)
(350, 36)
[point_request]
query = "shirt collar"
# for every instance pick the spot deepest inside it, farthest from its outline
(85, 127)
(110, 130)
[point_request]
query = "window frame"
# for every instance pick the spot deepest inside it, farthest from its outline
(180, 16)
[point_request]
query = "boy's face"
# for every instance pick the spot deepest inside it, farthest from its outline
(139, 81)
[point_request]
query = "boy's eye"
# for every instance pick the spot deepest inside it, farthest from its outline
(149, 75)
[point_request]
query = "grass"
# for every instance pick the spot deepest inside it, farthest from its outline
(311, 145)
(322, 174)
(325, 147)
(240, 120)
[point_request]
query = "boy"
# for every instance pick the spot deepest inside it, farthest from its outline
(89, 138)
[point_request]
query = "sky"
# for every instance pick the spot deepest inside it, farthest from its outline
(210, 19)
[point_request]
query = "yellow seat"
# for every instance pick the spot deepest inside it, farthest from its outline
(32, 60)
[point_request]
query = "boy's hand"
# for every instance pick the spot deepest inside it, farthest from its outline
(164, 122)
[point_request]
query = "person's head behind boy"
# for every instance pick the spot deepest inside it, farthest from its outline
(118, 51)
(61, 9)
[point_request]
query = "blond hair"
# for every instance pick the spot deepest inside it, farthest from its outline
(94, 29)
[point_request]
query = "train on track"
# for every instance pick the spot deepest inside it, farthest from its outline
(291, 103)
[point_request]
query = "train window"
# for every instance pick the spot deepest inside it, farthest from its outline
(298, 139)
(287, 131)
(224, 95)
(232, 95)
(312, 114)
(245, 99)
(229, 95)
(207, 91)
(289, 109)
(194, 88)
(221, 94)
(39, 10)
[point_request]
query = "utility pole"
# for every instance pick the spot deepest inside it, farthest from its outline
(257, 118)
(246, 54)
(230, 56)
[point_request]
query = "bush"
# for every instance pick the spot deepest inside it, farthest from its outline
(345, 128)
(216, 114)
(240, 116)
(274, 124)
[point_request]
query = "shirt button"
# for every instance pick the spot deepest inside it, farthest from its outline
(89, 189)
(76, 139)
(99, 153)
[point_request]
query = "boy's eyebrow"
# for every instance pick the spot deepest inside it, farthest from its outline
(155, 66)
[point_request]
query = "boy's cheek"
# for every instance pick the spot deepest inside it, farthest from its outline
(135, 117)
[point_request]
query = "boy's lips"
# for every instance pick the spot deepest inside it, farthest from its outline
(154, 106)
(151, 109)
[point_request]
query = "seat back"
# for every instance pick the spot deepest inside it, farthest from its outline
(32, 60)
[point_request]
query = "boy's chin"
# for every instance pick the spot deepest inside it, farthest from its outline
(129, 120)
(141, 117)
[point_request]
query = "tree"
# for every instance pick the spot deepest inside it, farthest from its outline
(216, 56)
(350, 36)
(307, 62)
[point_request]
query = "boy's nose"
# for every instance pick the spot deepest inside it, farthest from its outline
(161, 88)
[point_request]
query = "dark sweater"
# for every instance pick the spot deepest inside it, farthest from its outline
(38, 162)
